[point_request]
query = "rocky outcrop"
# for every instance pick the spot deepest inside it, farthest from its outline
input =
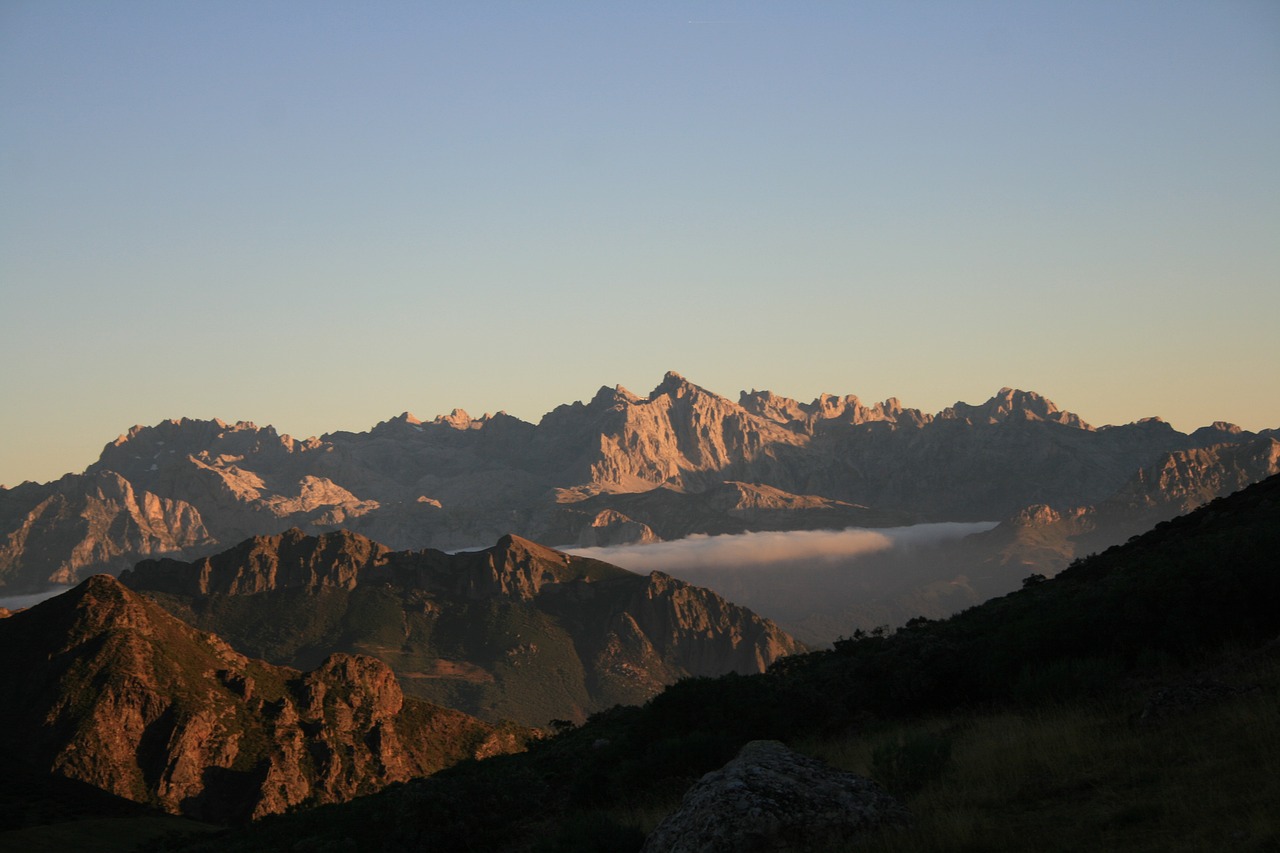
(119, 694)
(1183, 480)
(610, 527)
(771, 799)
(517, 631)
(291, 560)
(702, 633)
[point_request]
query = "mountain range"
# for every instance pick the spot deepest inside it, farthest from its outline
(118, 694)
(1131, 698)
(517, 631)
(124, 689)
(620, 468)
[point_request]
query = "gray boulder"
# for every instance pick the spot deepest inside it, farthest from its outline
(771, 799)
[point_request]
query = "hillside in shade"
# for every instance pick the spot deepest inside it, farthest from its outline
(516, 631)
(1074, 698)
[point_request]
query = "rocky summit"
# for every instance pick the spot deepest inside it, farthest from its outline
(117, 693)
(517, 631)
(621, 467)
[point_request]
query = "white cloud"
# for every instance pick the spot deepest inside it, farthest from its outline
(748, 550)
(17, 602)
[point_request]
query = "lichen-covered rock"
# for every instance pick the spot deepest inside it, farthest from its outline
(773, 799)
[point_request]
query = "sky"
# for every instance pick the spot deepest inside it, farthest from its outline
(318, 215)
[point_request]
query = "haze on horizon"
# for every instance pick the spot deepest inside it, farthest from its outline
(321, 215)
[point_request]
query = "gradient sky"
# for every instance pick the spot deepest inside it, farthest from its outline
(319, 215)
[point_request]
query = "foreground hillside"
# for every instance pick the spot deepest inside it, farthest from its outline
(1079, 693)
(117, 694)
(517, 631)
(619, 468)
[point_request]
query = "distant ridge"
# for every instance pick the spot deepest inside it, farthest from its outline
(515, 631)
(188, 488)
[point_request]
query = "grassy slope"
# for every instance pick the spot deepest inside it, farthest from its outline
(1081, 776)
(1032, 695)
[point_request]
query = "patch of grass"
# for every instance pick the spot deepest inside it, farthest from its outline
(1083, 776)
(104, 835)
(911, 760)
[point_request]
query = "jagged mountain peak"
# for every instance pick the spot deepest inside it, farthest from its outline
(827, 409)
(1219, 431)
(96, 604)
(676, 386)
(193, 427)
(122, 695)
(511, 545)
(289, 560)
(145, 452)
(1013, 404)
(608, 397)
(189, 484)
(459, 419)
(519, 568)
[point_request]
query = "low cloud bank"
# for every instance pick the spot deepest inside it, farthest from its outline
(17, 602)
(755, 550)
(820, 584)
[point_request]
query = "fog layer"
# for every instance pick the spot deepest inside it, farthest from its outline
(818, 584)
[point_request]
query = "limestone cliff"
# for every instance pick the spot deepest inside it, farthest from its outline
(94, 522)
(189, 487)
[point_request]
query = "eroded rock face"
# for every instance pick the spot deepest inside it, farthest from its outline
(565, 635)
(290, 560)
(610, 527)
(121, 695)
(98, 522)
(188, 487)
(773, 800)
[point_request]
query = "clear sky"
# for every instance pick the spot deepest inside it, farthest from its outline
(320, 214)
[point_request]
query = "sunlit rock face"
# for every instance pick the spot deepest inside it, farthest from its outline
(188, 488)
(121, 695)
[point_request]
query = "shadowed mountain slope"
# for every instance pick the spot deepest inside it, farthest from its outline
(1171, 598)
(517, 631)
